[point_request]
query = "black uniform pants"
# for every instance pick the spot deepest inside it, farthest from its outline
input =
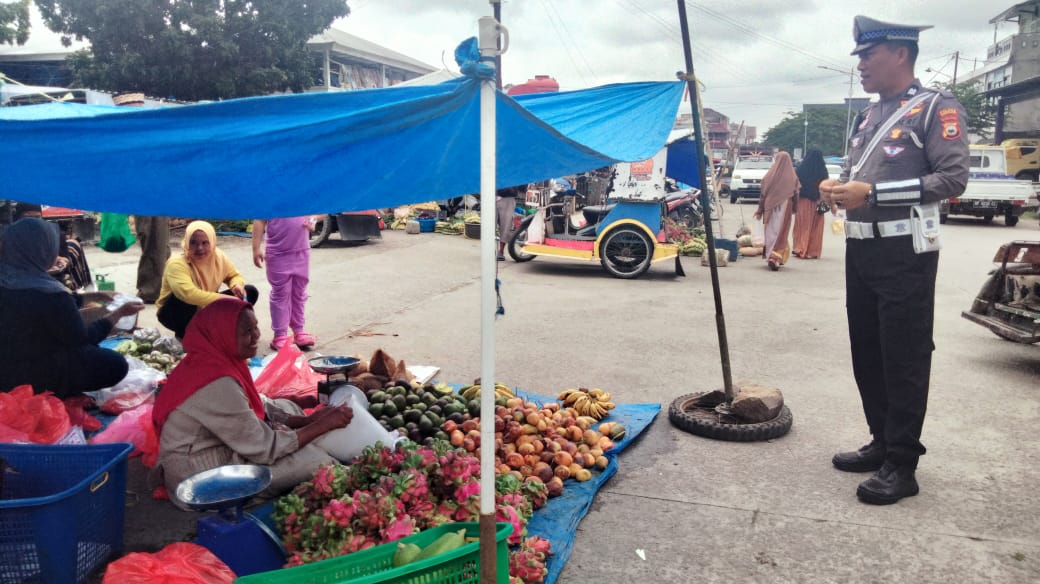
(890, 300)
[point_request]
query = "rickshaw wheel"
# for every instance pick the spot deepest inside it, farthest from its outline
(322, 230)
(626, 252)
(688, 414)
(517, 241)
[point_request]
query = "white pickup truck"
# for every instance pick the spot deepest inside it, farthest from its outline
(990, 190)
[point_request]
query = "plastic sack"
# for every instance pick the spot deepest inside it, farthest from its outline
(134, 426)
(178, 563)
(127, 323)
(76, 407)
(288, 376)
(115, 233)
(138, 387)
(25, 417)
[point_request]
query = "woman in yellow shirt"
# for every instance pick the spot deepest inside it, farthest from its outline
(192, 280)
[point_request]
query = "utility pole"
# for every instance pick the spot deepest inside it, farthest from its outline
(956, 60)
(805, 135)
(848, 113)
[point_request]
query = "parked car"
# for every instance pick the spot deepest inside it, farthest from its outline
(990, 190)
(834, 171)
(746, 183)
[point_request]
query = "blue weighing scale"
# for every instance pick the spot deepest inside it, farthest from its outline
(240, 539)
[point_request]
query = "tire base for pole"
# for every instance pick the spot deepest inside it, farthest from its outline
(690, 415)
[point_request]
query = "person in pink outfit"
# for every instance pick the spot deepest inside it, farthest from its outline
(288, 257)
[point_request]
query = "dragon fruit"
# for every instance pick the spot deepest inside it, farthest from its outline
(527, 564)
(388, 494)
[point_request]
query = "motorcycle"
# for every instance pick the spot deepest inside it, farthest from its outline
(684, 206)
(1009, 302)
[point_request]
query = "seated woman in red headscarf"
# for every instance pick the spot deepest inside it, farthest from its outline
(210, 414)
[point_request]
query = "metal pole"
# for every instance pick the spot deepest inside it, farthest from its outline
(497, 5)
(805, 133)
(488, 42)
(698, 133)
(956, 61)
(848, 115)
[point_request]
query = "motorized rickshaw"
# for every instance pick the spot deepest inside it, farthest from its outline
(625, 236)
(1009, 302)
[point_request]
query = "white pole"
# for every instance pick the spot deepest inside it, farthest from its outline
(848, 114)
(488, 44)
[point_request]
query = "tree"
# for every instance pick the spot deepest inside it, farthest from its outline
(981, 113)
(14, 22)
(826, 131)
(192, 49)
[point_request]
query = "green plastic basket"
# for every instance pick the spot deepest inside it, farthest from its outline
(373, 566)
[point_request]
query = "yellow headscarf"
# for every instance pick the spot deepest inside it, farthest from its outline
(209, 273)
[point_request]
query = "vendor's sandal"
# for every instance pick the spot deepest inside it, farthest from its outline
(304, 340)
(278, 342)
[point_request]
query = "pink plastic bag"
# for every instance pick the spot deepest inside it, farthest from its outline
(287, 376)
(177, 563)
(134, 426)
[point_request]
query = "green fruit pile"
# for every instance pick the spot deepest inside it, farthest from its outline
(419, 412)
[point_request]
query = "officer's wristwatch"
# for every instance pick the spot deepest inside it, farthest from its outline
(872, 196)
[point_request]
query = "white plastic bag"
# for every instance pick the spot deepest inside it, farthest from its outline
(127, 323)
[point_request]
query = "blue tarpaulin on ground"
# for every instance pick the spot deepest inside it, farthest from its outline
(558, 520)
(290, 155)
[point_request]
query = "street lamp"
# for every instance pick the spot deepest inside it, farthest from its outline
(848, 115)
(805, 135)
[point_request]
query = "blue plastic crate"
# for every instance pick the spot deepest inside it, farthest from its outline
(427, 225)
(61, 510)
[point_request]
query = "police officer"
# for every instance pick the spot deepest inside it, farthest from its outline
(909, 150)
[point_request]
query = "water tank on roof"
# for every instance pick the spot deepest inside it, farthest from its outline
(540, 84)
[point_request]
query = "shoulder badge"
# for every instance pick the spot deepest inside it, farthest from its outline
(951, 124)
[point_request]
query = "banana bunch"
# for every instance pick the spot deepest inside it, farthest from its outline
(473, 391)
(594, 403)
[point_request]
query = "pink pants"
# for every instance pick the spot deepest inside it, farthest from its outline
(288, 275)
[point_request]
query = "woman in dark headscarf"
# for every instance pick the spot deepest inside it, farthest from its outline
(808, 222)
(775, 207)
(45, 342)
(71, 267)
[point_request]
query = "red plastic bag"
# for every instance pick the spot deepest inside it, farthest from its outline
(134, 426)
(287, 376)
(25, 417)
(177, 563)
(76, 406)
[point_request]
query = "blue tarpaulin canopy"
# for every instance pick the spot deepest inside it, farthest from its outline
(319, 152)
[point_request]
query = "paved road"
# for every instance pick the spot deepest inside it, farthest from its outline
(704, 510)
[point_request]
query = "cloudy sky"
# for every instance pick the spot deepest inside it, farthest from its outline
(757, 59)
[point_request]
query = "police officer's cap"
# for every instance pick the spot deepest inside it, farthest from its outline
(868, 32)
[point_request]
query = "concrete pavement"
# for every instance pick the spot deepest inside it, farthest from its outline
(705, 510)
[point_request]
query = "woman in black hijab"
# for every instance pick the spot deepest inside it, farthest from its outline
(808, 219)
(45, 342)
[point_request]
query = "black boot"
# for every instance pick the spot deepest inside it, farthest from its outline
(866, 459)
(888, 485)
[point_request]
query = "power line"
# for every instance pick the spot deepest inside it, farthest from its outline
(577, 47)
(755, 33)
(563, 42)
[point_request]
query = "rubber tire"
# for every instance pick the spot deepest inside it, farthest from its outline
(322, 231)
(607, 263)
(733, 199)
(774, 428)
(942, 218)
(514, 244)
(1010, 220)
